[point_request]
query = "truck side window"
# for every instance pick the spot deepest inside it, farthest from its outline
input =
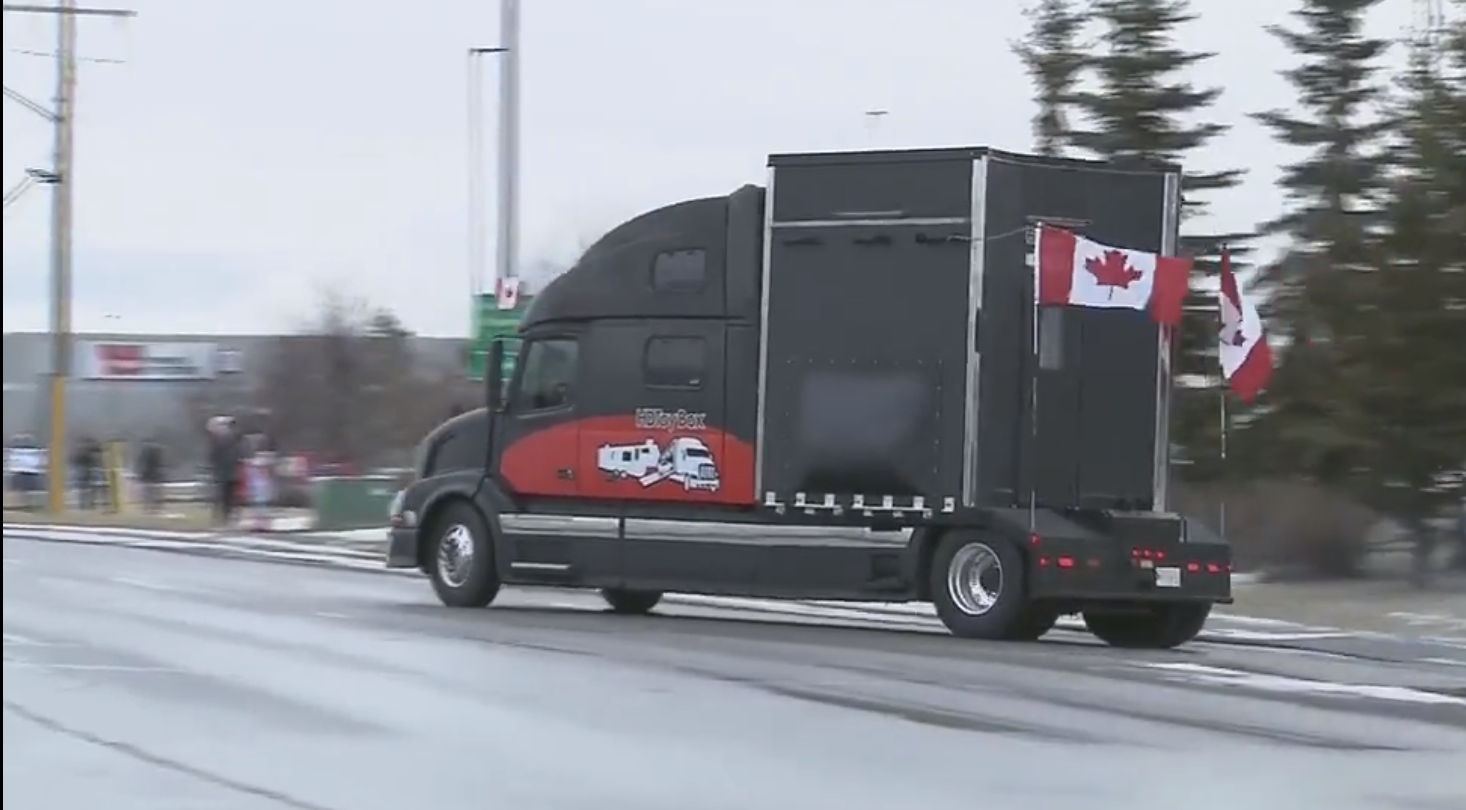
(547, 378)
(675, 362)
(680, 271)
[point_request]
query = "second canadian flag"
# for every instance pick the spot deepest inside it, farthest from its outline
(1079, 272)
(1247, 359)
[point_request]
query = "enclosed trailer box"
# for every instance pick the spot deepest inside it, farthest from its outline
(900, 368)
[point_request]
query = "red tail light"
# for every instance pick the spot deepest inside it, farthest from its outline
(1066, 562)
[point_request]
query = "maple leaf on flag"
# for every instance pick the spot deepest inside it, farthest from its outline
(1112, 269)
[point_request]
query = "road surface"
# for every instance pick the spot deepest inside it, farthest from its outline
(143, 680)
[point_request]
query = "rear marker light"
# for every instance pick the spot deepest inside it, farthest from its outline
(1213, 568)
(1033, 540)
(1193, 567)
(1066, 562)
(1043, 562)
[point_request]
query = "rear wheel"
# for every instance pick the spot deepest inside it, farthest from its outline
(631, 603)
(979, 589)
(1161, 627)
(461, 561)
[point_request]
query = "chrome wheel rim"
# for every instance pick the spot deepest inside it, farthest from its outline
(455, 556)
(975, 579)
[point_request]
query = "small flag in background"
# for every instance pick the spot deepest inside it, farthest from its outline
(1247, 359)
(1079, 272)
(506, 293)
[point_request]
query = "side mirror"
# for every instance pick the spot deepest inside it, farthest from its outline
(494, 377)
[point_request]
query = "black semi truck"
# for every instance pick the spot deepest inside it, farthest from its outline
(836, 386)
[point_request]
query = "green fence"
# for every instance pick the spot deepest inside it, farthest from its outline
(353, 503)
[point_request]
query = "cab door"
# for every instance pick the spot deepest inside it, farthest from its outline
(539, 430)
(657, 435)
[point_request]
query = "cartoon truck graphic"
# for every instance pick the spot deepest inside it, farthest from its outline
(629, 460)
(689, 462)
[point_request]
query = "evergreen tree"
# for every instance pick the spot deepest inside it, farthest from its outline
(1333, 194)
(1142, 106)
(1401, 353)
(1333, 190)
(1053, 57)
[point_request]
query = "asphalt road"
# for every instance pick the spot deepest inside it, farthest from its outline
(141, 680)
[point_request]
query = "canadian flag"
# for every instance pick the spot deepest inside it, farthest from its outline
(1079, 272)
(506, 293)
(1247, 359)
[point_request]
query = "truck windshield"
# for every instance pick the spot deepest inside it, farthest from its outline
(698, 452)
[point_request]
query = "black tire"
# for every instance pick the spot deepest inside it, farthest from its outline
(1034, 624)
(631, 603)
(476, 583)
(1162, 627)
(1009, 617)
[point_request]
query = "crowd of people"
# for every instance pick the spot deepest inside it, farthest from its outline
(104, 476)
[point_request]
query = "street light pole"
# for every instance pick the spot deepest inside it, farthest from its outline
(507, 266)
(476, 268)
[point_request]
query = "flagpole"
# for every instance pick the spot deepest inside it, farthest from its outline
(1225, 424)
(1224, 417)
(1032, 451)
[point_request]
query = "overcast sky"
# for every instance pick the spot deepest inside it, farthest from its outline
(245, 156)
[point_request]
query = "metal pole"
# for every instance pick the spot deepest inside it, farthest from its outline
(507, 266)
(476, 246)
(475, 113)
(61, 251)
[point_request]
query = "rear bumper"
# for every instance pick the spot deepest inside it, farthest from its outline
(1118, 567)
(402, 547)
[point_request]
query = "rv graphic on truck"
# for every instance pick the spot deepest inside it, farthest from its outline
(1005, 461)
(686, 460)
(639, 461)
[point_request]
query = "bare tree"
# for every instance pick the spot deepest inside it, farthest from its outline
(349, 387)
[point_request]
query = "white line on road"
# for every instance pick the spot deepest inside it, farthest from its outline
(18, 663)
(14, 640)
(1220, 676)
(145, 584)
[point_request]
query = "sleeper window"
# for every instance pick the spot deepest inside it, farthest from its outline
(680, 271)
(675, 362)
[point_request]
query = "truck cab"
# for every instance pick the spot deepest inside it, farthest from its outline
(836, 385)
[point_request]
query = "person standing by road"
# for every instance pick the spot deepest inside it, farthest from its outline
(150, 474)
(89, 473)
(224, 458)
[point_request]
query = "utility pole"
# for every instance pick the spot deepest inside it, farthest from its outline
(63, 122)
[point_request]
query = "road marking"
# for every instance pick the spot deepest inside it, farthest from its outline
(18, 663)
(145, 584)
(14, 640)
(1284, 684)
(1444, 662)
(1444, 620)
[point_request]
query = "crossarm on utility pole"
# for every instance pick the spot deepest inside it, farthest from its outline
(72, 11)
(34, 106)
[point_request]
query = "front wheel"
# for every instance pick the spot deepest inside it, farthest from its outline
(461, 562)
(633, 603)
(979, 589)
(1161, 627)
